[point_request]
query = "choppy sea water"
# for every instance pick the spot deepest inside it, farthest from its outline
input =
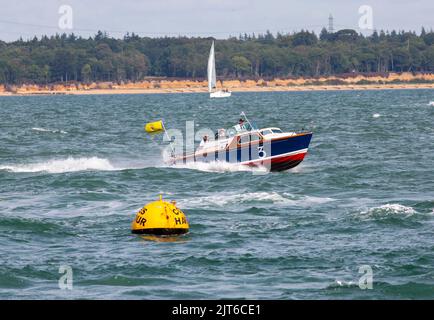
(74, 170)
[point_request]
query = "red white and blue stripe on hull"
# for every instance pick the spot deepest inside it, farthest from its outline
(280, 162)
(278, 153)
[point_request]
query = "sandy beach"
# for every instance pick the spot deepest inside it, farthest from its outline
(153, 86)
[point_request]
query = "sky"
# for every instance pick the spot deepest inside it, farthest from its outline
(205, 18)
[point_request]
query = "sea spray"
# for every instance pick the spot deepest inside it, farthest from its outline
(49, 130)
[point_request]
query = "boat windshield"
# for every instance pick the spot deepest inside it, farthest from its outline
(265, 132)
(243, 127)
(277, 130)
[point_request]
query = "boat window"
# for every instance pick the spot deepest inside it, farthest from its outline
(246, 138)
(247, 126)
(220, 134)
(231, 132)
(254, 137)
(238, 128)
(265, 132)
(243, 139)
(277, 131)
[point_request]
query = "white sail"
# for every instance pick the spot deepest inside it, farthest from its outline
(212, 79)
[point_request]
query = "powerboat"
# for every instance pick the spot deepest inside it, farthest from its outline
(245, 144)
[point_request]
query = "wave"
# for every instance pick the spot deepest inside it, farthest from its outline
(219, 166)
(303, 168)
(49, 130)
(342, 284)
(257, 198)
(35, 225)
(431, 103)
(389, 210)
(64, 165)
(376, 115)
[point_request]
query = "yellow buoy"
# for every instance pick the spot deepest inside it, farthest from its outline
(156, 126)
(160, 218)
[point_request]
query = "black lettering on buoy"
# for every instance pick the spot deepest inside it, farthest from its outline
(184, 220)
(141, 221)
(175, 211)
(178, 221)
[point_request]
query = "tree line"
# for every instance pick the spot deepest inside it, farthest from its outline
(103, 58)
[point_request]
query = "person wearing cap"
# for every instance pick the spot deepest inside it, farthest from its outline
(240, 126)
(204, 140)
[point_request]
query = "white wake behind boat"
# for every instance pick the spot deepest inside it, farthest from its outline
(212, 78)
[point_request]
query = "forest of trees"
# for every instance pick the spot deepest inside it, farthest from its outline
(103, 58)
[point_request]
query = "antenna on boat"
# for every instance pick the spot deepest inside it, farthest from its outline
(248, 121)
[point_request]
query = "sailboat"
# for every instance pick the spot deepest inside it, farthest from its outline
(212, 78)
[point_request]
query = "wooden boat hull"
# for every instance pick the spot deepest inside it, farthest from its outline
(277, 154)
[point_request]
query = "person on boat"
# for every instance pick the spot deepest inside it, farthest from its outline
(204, 140)
(220, 134)
(240, 126)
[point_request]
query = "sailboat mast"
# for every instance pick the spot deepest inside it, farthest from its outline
(212, 78)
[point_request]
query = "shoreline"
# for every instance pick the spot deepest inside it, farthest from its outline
(391, 81)
(106, 91)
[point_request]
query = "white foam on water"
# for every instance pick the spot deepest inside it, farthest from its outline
(389, 209)
(310, 200)
(74, 164)
(431, 103)
(302, 168)
(64, 165)
(376, 115)
(49, 130)
(342, 283)
(222, 199)
(219, 166)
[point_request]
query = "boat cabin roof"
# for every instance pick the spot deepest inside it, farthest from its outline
(272, 129)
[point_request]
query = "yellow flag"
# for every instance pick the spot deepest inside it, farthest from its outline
(156, 126)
